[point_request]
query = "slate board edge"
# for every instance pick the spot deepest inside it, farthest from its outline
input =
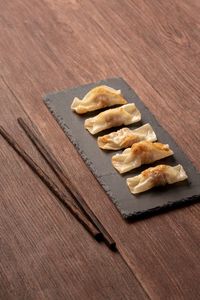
(90, 165)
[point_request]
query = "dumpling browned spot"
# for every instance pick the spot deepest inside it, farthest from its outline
(157, 174)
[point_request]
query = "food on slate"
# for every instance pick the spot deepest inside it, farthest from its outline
(99, 97)
(140, 153)
(156, 176)
(126, 137)
(124, 115)
(143, 148)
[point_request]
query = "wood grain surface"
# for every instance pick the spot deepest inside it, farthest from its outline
(49, 45)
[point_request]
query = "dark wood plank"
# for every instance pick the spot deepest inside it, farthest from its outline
(44, 251)
(154, 45)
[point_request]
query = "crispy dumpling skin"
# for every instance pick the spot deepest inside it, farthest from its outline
(140, 153)
(97, 98)
(125, 137)
(156, 176)
(123, 115)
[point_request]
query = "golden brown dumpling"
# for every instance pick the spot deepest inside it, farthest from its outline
(125, 137)
(159, 175)
(123, 115)
(97, 98)
(140, 153)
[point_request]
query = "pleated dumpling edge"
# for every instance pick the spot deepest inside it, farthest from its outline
(114, 117)
(140, 153)
(125, 137)
(156, 176)
(97, 98)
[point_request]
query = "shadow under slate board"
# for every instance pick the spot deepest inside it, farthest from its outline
(99, 161)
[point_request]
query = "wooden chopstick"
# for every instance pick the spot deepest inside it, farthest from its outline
(61, 174)
(51, 185)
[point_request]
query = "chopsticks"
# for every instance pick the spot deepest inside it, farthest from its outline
(51, 185)
(61, 174)
(85, 216)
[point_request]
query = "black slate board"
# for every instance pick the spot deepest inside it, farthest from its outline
(99, 161)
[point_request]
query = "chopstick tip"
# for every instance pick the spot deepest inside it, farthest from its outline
(99, 237)
(19, 120)
(111, 245)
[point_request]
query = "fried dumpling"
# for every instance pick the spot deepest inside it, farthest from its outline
(123, 115)
(126, 137)
(156, 176)
(97, 98)
(140, 153)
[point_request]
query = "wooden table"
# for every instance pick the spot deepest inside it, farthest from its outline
(49, 45)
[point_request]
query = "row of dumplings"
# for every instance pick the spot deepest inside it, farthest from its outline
(140, 144)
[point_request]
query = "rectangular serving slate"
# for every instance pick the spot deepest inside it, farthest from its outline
(99, 161)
